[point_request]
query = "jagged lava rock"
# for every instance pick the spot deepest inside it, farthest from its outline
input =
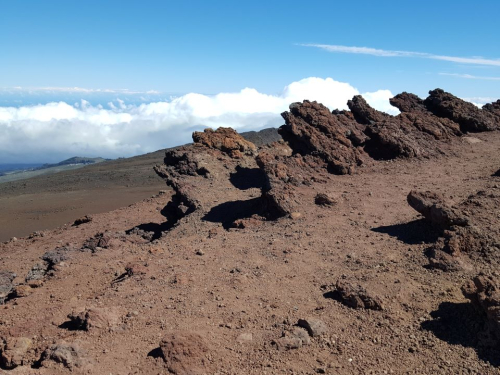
(6, 285)
(310, 128)
(226, 140)
(467, 115)
(484, 292)
(493, 108)
(412, 133)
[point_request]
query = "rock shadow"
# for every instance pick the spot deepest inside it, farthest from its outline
(247, 178)
(461, 324)
(153, 231)
(155, 353)
(70, 326)
(412, 233)
(226, 213)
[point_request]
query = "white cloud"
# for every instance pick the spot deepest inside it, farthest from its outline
(389, 53)
(57, 130)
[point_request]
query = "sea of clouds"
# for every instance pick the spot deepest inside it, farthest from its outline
(54, 131)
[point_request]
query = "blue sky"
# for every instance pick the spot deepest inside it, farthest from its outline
(216, 46)
(151, 51)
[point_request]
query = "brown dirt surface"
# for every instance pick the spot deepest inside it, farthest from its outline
(192, 293)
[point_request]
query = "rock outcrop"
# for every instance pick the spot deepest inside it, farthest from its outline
(311, 129)
(467, 229)
(493, 108)
(467, 115)
(484, 293)
(317, 141)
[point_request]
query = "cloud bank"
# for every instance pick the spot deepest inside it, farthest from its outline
(389, 53)
(57, 130)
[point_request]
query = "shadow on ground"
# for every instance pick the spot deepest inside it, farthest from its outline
(460, 324)
(226, 213)
(412, 233)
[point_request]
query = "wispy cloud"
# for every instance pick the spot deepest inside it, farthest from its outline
(469, 76)
(389, 53)
(78, 90)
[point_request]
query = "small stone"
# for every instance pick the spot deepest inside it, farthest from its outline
(301, 334)
(23, 291)
(95, 318)
(287, 343)
(14, 351)
(295, 215)
(200, 252)
(244, 338)
(322, 199)
(135, 268)
(314, 326)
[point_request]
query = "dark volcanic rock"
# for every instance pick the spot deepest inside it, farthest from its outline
(6, 285)
(413, 133)
(82, 220)
(494, 109)
(311, 129)
(433, 208)
(101, 240)
(467, 115)
(484, 293)
(322, 199)
(37, 272)
(69, 355)
(356, 296)
(56, 256)
(365, 114)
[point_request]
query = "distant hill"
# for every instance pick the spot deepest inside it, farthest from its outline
(73, 161)
(26, 171)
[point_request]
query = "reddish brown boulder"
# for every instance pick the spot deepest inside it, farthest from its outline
(185, 353)
(433, 208)
(95, 318)
(356, 296)
(467, 115)
(14, 352)
(226, 140)
(484, 293)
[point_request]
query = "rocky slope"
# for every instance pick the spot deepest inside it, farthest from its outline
(297, 257)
